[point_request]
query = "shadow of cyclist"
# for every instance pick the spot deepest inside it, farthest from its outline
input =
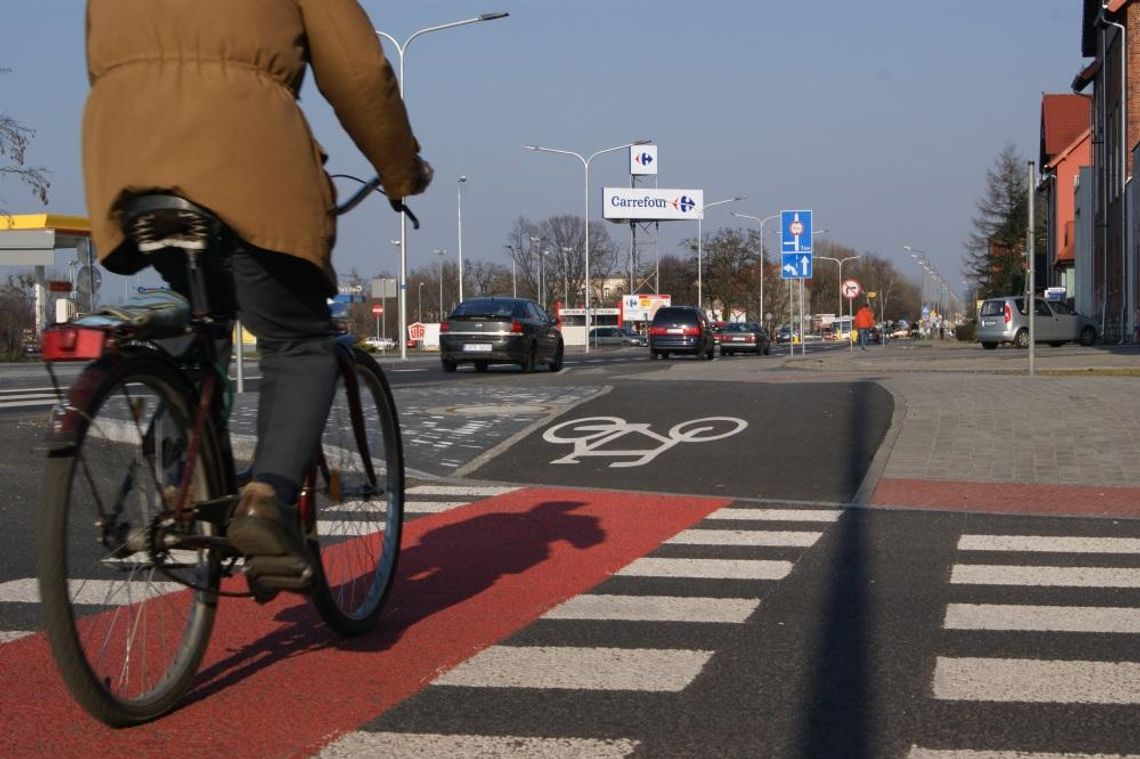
(450, 564)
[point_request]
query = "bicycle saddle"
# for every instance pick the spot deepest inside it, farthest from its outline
(160, 220)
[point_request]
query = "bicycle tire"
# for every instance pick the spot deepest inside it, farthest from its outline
(126, 633)
(355, 528)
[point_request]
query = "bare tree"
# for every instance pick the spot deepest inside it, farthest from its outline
(550, 256)
(14, 141)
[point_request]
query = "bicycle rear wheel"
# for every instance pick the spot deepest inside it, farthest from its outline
(356, 525)
(126, 632)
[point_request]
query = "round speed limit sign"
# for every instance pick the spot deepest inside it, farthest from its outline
(851, 288)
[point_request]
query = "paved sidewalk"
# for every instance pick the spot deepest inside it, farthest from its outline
(972, 430)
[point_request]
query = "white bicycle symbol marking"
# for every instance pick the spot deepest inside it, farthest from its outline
(588, 435)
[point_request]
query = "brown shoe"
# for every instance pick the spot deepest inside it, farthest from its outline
(259, 526)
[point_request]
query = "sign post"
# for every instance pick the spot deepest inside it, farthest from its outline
(851, 289)
(796, 258)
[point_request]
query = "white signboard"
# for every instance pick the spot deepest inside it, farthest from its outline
(642, 159)
(652, 204)
(641, 308)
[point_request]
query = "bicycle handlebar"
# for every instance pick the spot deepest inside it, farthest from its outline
(372, 185)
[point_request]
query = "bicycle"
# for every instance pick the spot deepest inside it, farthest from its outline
(140, 482)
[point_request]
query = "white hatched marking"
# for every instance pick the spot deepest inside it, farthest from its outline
(745, 538)
(1087, 619)
(7, 636)
(1071, 577)
(1037, 681)
(636, 669)
(777, 515)
(430, 746)
(931, 753)
(655, 608)
(431, 507)
(1048, 544)
(717, 569)
(102, 592)
(464, 490)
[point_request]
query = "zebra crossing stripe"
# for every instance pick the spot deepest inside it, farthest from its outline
(745, 538)
(1048, 544)
(1085, 619)
(431, 507)
(713, 569)
(482, 491)
(7, 636)
(100, 592)
(931, 753)
(632, 669)
(429, 746)
(1036, 681)
(1070, 577)
(777, 515)
(28, 402)
(655, 609)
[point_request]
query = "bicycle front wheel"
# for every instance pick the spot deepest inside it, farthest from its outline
(356, 525)
(128, 617)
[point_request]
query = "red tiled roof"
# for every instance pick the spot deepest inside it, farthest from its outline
(1064, 117)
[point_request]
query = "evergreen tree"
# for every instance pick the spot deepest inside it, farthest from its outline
(995, 250)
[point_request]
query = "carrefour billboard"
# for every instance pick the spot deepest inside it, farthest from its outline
(652, 204)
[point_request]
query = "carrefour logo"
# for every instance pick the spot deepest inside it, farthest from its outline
(643, 159)
(684, 204)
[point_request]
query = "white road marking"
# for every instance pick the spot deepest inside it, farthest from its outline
(655, 609)
(777, 515)
(1088, 619)
(430, 746)
(1048, 544)
(7, 636)
(931, 753)
(96, 592)
(1037, 681)
(464, 490)
(718, 569)
(14, 404)
(636, 669)
(745, 538)
(1071, 577)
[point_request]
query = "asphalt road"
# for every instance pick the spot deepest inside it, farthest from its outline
(712, 596)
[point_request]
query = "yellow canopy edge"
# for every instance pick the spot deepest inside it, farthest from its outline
(70, 225)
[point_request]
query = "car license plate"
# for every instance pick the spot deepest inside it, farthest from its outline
(675, 331)
(737, 339)
(476, 347)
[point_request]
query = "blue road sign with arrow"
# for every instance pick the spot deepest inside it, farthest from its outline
(795, 231)
(795, 266)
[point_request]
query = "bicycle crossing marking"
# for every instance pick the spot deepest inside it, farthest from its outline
(564, 667)
(431, 745)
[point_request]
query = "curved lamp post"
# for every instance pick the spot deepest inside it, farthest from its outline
(586, 241)
(459, 223)
(841, 261)
(763, 221)
(401, 49)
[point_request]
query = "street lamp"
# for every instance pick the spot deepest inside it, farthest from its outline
(841, 261)
(401, 49)
(420, 302)
(700, 241)
(919, 255)
(514, 283)
(566, 251)
(441, 252)
(762, 223)
(586, 241)
(459, 222)
(540, 296)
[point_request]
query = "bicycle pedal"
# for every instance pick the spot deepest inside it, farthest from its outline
(260, 593)
(280, 572)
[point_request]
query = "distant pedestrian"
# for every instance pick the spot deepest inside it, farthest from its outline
(864, 322)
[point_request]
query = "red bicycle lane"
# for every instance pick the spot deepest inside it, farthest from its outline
(277, 682)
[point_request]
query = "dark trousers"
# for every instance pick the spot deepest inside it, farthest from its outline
(278, 298)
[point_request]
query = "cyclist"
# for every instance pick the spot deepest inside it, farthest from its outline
(200, 99)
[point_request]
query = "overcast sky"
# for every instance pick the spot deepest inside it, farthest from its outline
(881, 116)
